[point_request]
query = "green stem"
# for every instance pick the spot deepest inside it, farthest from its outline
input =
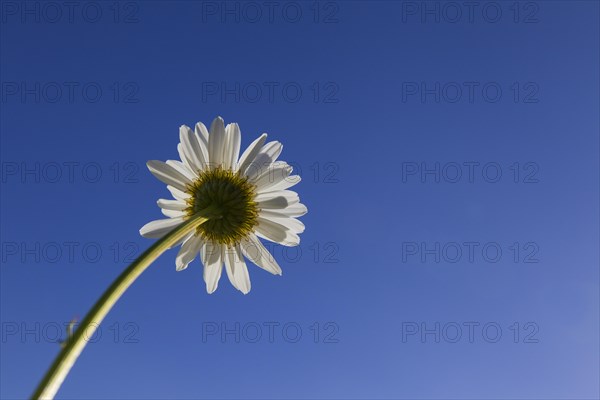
(74, 346)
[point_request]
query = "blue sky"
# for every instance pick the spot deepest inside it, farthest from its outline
(449, 156)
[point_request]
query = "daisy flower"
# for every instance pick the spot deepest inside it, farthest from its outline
(221, 206)
(245, 198)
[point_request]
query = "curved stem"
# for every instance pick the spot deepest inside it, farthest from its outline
(73, 346)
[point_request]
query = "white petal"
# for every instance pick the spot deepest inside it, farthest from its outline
(182, 169)
(183, 239)
(276, 233)
(256, 252)
(269, 170)
(294, 210)
(269, 153)
(168, 174)
(189, 250)
(182, 156)
(290, 223)
(172, 204)
(277, 203)
(274, 174)
(266, 156)
(202, 133)
(216, 142)
(278, 199)
(213, 265)
(172, 213)
(236, 269)
(160, 227)
(183, 148)
(284, 184)
(178, 194)
(233, 140)
(192, 149)
(229, 269)
(250, 153)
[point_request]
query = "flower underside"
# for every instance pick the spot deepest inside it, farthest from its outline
(231, 199)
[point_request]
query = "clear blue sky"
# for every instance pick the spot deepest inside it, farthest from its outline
(422, 273)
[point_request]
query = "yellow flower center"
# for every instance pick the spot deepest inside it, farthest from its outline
(231, 197)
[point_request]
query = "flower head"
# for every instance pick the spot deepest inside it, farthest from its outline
(244, 198)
